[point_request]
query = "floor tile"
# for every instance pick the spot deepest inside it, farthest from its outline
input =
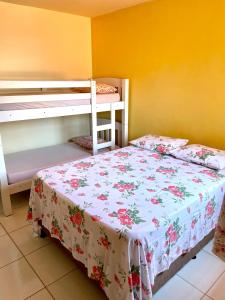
(208, 248)
(177, 289)
(76, 285)
(217, 292)
(25, 240)
(203, 271)
(15, 221)
(42, 295)
(8, 251)
(2, 231)
(51, 262)
(18, 281)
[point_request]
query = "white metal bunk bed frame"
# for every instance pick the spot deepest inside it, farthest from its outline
(38, 113)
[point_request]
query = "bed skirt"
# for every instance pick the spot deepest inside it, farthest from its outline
(163, 277)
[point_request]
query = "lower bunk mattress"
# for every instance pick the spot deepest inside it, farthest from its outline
(127, 214)
(23, 165)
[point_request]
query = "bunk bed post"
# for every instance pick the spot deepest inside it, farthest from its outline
(5, 194)
(125, 97)
(113, 125)
(94, 117)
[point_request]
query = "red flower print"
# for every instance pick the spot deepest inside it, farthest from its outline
(149, 257)
(209, 209)
(156, 155)
(122, 211)
(125, 220)
(175, 190)
(194, 221)
(102, 197)
(82, 165)
(74, 183)
(55, 231)
(61, 172)
(171, 232)
(76, 218)
(155, 222)
(79, 250)
(151, 178)
(210, 173)
(103, 173)
(197, 180)
(150, 190)
(155, 201)
(105, 242)
(134, 280)
(97, 272)
(29, 215)
(38, 188)
(121, 154)
(161, 149)
(122, 168)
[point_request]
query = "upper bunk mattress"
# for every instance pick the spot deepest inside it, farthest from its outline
(127, 214)
(100, 98)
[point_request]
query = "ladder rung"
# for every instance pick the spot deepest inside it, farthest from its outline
(104, 145)
(104, 127)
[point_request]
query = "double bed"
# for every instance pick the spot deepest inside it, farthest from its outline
(127, 215)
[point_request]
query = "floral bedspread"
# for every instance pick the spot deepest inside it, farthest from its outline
(127, 214)
(219, 239)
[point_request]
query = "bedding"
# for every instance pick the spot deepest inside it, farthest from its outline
(85, 141)
(127, 214)
(206, 156)
(219, 238)
(102, 88)
(23, 165)
(101, 98)
(161, 144)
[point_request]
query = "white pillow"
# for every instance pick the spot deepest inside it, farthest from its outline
(203, 155)
(161, 144)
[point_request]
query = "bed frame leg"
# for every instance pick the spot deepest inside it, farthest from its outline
(5, 194)
(43, 233)
(194, 257)
(125, 97)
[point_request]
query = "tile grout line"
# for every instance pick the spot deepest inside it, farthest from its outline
(215, 282)
(23, 256)
(191, 284)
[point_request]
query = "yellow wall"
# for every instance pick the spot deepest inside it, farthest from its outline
(173, 51)
(42, 44)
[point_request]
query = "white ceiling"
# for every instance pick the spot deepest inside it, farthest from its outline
(88, 8)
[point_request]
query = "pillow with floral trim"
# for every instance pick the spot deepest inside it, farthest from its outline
(203, 155)
(103, 88)
(161, 144)
(85, 141)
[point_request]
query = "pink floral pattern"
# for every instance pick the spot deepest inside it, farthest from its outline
(127, 220)
(160, 144)
(206, 156)
(219, 239)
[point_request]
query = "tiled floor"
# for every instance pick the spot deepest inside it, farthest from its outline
(39, 269)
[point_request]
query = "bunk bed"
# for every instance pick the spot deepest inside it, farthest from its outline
(29, 100)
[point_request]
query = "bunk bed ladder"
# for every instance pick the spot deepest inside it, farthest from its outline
(97, 128)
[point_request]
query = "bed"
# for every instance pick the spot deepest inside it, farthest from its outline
(127, 215)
